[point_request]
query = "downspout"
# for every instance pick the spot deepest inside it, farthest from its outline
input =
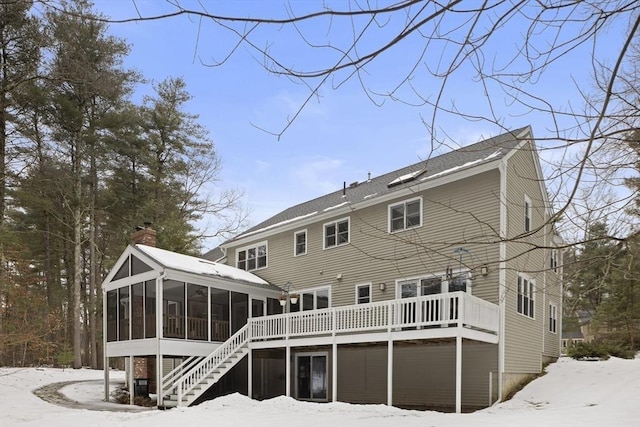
(545, 272)
(502, 274)
(105, 365)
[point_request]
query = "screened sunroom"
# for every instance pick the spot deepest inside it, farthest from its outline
(164, 306)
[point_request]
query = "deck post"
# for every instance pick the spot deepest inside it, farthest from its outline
(334, 371)
(132, 389)
(458, 373)
(287, 376)
(250, 374)
(106, 377)
(390, 372)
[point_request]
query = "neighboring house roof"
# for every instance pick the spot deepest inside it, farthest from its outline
(464, 158)
(190, 264)
(572, 335)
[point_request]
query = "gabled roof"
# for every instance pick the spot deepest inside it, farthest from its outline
(465, 158)
(216, 254)
(190, 264)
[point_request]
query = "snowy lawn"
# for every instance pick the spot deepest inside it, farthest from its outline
(571, 394)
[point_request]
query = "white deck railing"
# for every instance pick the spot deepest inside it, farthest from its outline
(442, 310)
(447, 309)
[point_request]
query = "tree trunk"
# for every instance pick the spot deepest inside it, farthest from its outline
(92, 265)
(77, 256)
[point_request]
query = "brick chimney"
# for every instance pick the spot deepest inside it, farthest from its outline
(144, 235)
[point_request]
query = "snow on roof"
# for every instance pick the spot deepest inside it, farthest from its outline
(195, 265)
(466, 165)
(330, 208)
(278, 224)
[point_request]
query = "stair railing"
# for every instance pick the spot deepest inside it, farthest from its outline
(169, 380)
(210, 363)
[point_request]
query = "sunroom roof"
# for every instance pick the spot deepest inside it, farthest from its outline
(196, 265)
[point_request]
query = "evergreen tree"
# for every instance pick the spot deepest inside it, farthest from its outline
(87, 82)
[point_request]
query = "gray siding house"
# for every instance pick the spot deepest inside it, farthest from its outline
(436, 286)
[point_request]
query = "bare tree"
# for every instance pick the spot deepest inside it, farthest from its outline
(502, 49)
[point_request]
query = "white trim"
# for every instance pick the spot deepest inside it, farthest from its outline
(502, 273)
(335, 222)
(362, 285)
(255, 246)
(295, 242)
(404, 202)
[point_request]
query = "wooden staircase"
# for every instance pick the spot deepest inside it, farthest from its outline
(188, 381)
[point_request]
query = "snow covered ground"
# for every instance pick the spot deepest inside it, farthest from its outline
(572, 393)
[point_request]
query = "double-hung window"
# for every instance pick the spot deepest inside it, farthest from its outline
(253, 257)
(300, 242)
(526, 301)
(363, 293)
(405, 215)
(527, 214)
(336, 233)
(553, 318)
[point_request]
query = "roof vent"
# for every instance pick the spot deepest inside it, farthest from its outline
(407, 177)
(353, 184)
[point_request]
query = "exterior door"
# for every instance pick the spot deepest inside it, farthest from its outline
(311, 376)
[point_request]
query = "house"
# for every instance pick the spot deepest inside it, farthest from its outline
(434, 286)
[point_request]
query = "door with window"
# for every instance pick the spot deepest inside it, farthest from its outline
(434, 310)
(311, 376)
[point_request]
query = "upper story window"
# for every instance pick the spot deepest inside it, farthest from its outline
(553, 318)
(405, 215)
(336, 233)
(300, 242)
(363, 293)
(527, 214)
(554, 260)
(526, 301)
(252, 257)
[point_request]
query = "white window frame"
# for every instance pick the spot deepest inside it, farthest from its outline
(360, 286)
(246, 249)
(444, 284)
(335, 223)
(403, 203)
(313, 291)
(295, 242)
(553, 318)
(528, 305)
(528, 214)
(324, 354)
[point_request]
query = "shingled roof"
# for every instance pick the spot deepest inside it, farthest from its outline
(461, 159)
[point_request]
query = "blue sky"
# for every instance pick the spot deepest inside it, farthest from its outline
(342, 135)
